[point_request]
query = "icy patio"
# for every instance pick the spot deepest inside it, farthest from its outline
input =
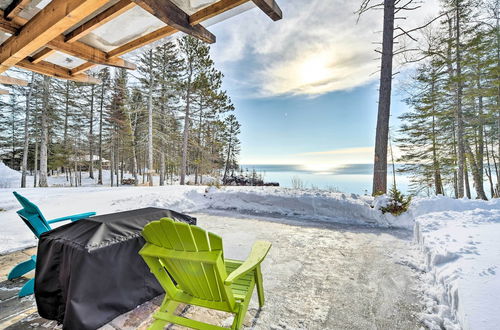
(317, 276)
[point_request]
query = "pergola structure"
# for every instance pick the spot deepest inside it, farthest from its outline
(65, 38)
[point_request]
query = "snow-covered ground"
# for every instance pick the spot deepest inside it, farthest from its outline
(461, 245)
(459, 239)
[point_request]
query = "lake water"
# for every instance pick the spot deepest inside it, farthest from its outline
(351, 178)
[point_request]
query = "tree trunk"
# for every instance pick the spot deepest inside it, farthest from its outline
(26, 133)
(91, 135)
(438, 183)
(476, 174)
(99, 177)
(162, 168)
(112, 163)
(44, 135)
(488, 169)
(466, 182)
(185, 137)
(35, 165)
(384, 103)
(459, 113)
(150, 120)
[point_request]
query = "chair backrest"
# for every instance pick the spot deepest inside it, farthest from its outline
(32, 216)
(188, 262)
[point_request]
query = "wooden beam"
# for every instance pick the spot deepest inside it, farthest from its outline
(202, 15)
(82, 67)
(12, 81)
(57, 71)
(42, 55)
(15, 8)
(8, 26)
(172, 15)
(4, 92)
(88, 53)
(144, 40)
(101, 19)
(51, 21)
(214, 9)
(270, 7)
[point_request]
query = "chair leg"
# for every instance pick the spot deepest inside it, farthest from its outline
(28, 288)
(22, 268)
(260, 286)
(168, 306)
(239, 316)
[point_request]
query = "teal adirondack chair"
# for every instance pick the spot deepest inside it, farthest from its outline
(34, 219)
(189, 264)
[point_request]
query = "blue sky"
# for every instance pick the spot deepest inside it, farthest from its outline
(304, 87)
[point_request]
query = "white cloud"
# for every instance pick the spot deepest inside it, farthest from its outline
(316, 48)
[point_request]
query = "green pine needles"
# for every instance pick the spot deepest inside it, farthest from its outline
(397, 203)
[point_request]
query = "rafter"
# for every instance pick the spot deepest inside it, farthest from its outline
(8, 26)
(4, 92)
(82, 68)
(76, 49)
(88, 53)
(12, 81)
(144, 40)
(47, 24)
(116, 10)
(54, 70)
(45, 30)
(270, 7)
(15, 8)
(214, 9)
(209, 12)
(172, 15)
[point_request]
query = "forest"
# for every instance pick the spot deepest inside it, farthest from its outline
(450, 135)
(170, 118)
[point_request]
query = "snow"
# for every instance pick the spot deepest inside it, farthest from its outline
(458, 239)
(8, 177)
(461, 248)
(270, 201)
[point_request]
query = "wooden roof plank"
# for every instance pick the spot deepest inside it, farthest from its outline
(12, 81)
(4, 92)
(172, 15)
(15, 8)
(51, 21)
(270, 7)
(42, 55)
(101, 19)
(54, 70)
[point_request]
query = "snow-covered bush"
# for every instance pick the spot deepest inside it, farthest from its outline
(395, 203)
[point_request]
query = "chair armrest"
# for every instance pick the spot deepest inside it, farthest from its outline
(257, 255)
(74, 217)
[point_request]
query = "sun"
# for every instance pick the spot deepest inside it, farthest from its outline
(313, 69)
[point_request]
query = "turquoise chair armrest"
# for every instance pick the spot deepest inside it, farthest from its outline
(73, 217)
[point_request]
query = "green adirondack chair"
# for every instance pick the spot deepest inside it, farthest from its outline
(189, 264)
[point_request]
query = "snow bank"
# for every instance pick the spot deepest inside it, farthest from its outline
(283, 202)
(9, 178)
(462, 261)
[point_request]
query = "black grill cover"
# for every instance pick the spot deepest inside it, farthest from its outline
(88, 272)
